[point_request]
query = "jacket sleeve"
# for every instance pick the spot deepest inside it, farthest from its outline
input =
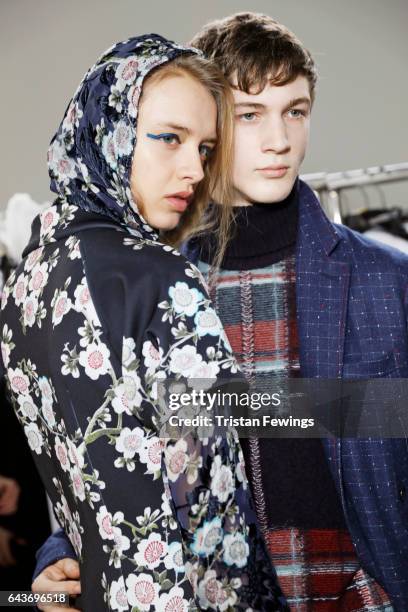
(57, 546)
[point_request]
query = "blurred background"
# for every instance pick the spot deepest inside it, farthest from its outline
(359, 118)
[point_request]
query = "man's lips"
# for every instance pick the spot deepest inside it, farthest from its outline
(273, 171)
(180, 200)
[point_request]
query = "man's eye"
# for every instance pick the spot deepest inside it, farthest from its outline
(206, 152)
(248, 116)
(296, 113)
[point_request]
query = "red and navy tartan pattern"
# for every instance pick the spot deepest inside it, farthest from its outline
(318, 570)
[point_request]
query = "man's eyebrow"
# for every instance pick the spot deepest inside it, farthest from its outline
(186, 130)
(251, 104)
(297, 101)
(293, 102)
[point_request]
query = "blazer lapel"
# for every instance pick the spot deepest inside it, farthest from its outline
(322, 285)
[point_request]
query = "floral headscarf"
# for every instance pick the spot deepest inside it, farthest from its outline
(90, 156)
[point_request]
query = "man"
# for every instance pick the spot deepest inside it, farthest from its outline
(299, 295)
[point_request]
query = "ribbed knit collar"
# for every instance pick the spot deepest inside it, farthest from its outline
(264, 234)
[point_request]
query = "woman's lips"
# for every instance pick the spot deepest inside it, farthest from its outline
(274, 171)
(179, 204)
(180, 200)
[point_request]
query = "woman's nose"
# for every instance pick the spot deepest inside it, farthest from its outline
(191, 167)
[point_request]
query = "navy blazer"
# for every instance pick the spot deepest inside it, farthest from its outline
(351, 298)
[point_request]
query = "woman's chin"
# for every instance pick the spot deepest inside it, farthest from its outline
(166, 222)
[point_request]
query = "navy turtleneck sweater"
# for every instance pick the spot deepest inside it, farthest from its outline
(264, 235)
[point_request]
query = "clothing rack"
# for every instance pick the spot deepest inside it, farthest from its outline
(329, 186)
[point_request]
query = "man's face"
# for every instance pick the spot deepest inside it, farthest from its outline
(271, 136)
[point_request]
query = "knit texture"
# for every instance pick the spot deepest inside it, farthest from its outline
(317, 567)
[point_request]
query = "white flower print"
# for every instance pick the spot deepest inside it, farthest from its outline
(61, 165)
(126, 73)
(30, 308)
(176, 459)
(173, 601)
(207, 537)
(61, 304)
(95, 360)
(75, 535)
(174, 558)
(151, 551)
(130, 441)
(20, 289)
(165, 506)
(108, 150)
(123, 139)
(19, 382)
(70, 361)
(62, 510)
(207, 322)
(78, 484)
(185, 300)
(184, 360)
(117, 595)
(33, 258)
(48, 413)
(76, 454)
(128, 355)
(122, 542)
(133, 100)
(151, 454)
(127, 395)
(213, 595)
(5, 353)
(62, 454)
(84, 303)
(28, 408)
(115, 99)
(73, 245)
(34, 437)
(142, 592)
(241, 474)
(45, 388)
(38, 279)
(204, 375)
(104, 520)
(49, 219)
(236, 549)
(152, 356)
(222, 482)
(73, 114)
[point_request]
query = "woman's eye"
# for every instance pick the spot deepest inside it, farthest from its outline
(168, 138)
(206, 152)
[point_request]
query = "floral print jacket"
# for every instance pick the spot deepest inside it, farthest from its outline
(91, 319)
(97, 313)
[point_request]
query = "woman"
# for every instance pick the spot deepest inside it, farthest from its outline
(101, 309)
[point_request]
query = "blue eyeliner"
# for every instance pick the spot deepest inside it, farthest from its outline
(158, 136)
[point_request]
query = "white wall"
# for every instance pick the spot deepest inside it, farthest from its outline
(360, 117)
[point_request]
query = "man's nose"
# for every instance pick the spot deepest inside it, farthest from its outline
(275, 137)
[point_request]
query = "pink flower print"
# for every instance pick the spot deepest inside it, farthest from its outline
(151, 551)
(142, 591)
(95, 360)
